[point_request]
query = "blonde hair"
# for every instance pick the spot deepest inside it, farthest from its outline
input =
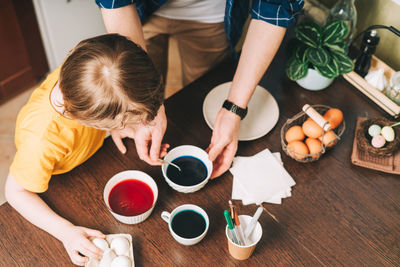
(108, 81)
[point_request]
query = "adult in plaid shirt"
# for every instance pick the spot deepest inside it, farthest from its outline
(204, 38)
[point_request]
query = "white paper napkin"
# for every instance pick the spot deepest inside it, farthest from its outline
(239, 193)
(260, 178)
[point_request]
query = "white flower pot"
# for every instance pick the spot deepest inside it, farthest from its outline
(314, 81)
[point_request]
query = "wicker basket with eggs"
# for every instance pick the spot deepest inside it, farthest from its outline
(306, 136)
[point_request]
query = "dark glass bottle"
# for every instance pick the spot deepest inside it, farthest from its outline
(367, 48)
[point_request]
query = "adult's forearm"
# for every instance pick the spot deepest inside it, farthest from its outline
(124, 21)
(34, 209)
(261, 44)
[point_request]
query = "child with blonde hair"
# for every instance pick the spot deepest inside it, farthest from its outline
(105, 83)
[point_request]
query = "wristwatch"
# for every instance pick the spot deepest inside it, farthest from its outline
(241, 112)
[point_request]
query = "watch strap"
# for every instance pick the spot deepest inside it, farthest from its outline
(241, 112)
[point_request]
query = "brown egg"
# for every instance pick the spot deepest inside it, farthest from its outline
(297, 149)
(295, 133)
(330, 139)
(311, 129)
(334, 116)
(314, 146)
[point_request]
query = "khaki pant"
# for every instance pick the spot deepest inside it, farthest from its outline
(200, 45)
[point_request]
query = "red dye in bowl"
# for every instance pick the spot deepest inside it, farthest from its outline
(131, 197)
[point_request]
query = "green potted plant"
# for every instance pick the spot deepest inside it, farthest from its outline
(319, 55)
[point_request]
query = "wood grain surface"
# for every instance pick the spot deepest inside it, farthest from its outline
(338, 215)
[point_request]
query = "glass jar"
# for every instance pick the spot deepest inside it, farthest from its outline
(344, 10)
(393, 90)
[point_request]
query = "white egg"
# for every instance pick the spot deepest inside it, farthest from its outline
(107, 259)
(120, 245)
(100, 243)
(374, 130)
(388, 133)
(121, 261)
(378, 141)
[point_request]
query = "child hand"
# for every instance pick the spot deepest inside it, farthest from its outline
(76, 241)
(147, 138)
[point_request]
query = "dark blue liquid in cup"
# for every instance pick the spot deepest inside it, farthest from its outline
(188, 224)
(193, 171)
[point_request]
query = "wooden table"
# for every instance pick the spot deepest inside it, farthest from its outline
(339, 214)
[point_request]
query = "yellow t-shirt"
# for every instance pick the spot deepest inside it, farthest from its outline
(48, 143)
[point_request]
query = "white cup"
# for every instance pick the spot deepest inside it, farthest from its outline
(128, 175)
(168, 218)
(187, 150)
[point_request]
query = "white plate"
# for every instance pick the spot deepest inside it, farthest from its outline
(262, 115)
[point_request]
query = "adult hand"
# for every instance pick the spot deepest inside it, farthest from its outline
(147, 138)
(76, 240)
(254, 60)
(224, 141)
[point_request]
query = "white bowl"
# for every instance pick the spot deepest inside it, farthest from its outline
(128, 175)
(187, 150)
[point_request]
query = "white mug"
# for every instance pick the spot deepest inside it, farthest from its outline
(168, 217)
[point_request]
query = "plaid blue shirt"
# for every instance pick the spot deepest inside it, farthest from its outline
(277, 12)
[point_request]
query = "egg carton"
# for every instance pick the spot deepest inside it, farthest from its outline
(314, 112)
(111, 252)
